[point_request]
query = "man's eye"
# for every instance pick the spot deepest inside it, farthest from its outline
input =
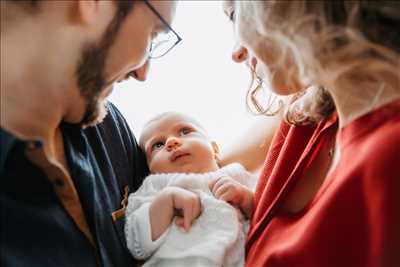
(131, 74)
(157, 145)
(154, 35)
(185, 131)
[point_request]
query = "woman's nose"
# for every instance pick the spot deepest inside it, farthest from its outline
(172, 143)
(140, 74)
(239, 54)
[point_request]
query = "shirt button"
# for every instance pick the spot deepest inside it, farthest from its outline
(34, 144)
(58, 182)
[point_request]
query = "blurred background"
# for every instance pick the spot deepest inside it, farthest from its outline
(197, 77)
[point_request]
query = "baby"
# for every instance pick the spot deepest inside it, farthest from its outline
(189, 212)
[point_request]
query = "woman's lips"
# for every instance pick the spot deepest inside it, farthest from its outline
(253, 63)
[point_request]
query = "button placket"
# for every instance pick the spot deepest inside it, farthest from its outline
(120, 212)
(62, 184)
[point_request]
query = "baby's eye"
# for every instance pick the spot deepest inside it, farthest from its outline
(157, 145)
(185, 131)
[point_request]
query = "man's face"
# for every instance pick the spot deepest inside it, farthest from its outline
(175, 143)
(121, 52)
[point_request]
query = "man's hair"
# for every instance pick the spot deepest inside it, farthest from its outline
(33, 5)
(26, 5)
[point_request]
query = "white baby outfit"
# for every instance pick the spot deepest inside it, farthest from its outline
(216, 238)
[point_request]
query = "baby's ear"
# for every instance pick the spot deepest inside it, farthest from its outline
(216, 150)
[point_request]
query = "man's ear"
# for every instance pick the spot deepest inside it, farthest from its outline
(216, 150)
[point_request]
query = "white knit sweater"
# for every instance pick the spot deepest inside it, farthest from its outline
(216, 238)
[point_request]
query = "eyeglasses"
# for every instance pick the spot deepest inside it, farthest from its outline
(163, 42)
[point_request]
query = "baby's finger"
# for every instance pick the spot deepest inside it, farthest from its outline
(187, 215)
(179, 222)
(196, 209)
(229, 196)
(221, 190)
(218, 183)
(211, 183)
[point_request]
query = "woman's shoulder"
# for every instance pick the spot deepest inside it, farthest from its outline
(383, 144)
(374, 136)
(376, 154)
(381, 136)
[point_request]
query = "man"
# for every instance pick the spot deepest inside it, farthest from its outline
(68, 158)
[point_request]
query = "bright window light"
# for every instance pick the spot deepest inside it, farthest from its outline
(197, 77)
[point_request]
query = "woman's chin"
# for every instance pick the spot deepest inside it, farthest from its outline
(281, 86)
(282, 89)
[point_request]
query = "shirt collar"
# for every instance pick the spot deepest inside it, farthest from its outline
(8, 141)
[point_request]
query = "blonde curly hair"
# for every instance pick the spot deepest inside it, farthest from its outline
(332, 43)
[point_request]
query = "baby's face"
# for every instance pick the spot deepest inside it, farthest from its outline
(175, 143)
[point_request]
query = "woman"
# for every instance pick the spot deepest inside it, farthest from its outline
(329, 191)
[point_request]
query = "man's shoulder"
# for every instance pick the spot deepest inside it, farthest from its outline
(113, 121)
(113, 143)
(113, 130)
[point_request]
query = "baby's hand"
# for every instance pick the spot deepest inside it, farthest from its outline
(164, 208)
(187, 205)
(227, 189)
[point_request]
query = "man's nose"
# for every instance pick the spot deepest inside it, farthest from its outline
(140, 74)
(173, 143)
(239, 54)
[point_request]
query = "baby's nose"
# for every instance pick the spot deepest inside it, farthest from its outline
(173, 143)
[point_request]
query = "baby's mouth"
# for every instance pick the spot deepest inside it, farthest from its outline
(177, 155)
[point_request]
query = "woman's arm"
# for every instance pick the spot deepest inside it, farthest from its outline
(251, 147)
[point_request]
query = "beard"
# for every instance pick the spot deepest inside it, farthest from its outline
(90, 70)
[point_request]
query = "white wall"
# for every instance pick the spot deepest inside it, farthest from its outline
(197, 77)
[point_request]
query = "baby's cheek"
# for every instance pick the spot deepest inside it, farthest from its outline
(158, 164)
(153, 165)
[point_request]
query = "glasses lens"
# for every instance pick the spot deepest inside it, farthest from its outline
(162, 44)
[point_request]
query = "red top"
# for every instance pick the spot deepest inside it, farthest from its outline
(353, 219)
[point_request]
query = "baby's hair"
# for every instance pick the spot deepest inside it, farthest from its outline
(167, 114)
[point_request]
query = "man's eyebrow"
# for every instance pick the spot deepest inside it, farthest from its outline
(161, 29)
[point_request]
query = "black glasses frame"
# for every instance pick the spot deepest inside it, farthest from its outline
(179, 39)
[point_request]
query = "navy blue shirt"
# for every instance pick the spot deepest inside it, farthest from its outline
(35, 227)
